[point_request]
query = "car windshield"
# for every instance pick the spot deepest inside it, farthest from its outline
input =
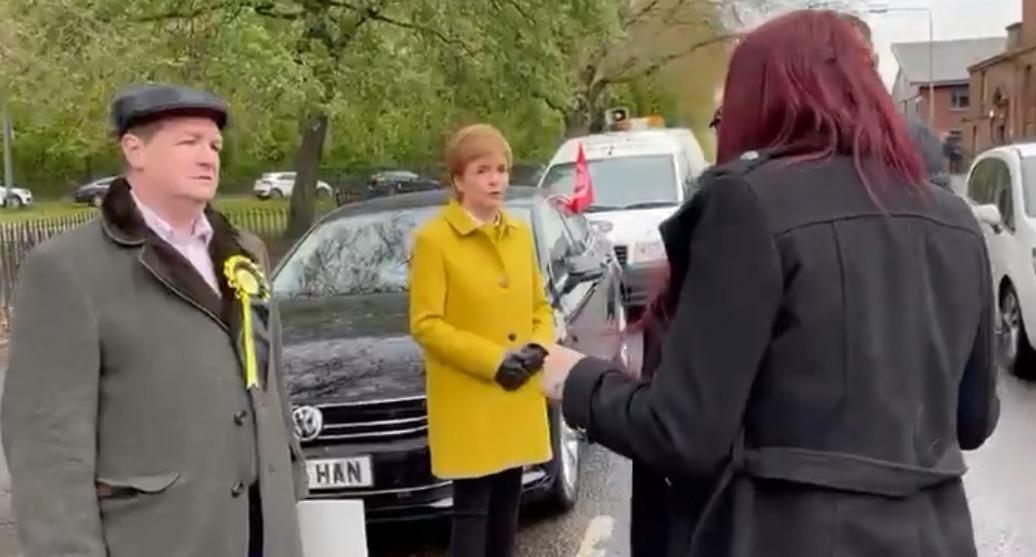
(356, 255)
(639, 182)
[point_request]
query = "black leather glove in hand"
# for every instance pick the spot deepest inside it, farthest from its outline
(512, 374)
(532, 356)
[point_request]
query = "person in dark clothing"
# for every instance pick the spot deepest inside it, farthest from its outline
(828, 349)
(650, 491)
(952, 152)
(929, 147)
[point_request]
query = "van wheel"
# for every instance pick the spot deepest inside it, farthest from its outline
(568, 446)
(1016, 354)
(276, 194)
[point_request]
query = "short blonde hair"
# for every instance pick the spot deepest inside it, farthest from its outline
(471, 143)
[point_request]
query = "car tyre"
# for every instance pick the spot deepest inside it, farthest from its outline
(14, 202)
(276, 194)
(97, 200)
(1016, 354)
(567, 444)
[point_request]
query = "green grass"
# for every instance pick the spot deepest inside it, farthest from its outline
(46, 210)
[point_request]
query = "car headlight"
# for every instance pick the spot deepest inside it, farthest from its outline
(646, 252)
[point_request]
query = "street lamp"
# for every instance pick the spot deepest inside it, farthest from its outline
(931, 52)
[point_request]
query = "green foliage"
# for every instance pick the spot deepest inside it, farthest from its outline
(392, 76)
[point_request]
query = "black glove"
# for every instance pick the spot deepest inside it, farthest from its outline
(532, 356)
(518, 367)
(512, 374)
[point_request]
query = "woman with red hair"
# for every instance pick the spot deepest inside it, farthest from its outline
(828, 348)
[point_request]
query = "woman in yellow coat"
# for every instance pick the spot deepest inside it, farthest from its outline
(479, 312)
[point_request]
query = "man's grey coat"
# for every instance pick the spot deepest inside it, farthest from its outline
(125, 418)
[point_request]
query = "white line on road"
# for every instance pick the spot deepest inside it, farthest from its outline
(598, 532)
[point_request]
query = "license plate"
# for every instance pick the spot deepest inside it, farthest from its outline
(332, 473)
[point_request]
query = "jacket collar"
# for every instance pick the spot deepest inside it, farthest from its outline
(462, 222)
(124, 225)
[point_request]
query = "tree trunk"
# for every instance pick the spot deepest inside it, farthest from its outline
(576, 124)
(307, 161)
(587, 116)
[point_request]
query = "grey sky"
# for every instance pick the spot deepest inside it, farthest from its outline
(953, 19)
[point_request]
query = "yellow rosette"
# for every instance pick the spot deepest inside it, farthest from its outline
(246, 279)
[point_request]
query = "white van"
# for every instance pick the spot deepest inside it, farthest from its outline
(639, 179)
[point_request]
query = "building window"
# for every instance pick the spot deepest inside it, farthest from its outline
(960, 98)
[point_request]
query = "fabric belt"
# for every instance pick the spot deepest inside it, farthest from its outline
(818, 469)
(843, 472)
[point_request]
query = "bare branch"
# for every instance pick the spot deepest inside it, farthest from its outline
(628, 75)
(186, 13)
(375, 14)
(640, 14)
(516, 7)
(269, 9)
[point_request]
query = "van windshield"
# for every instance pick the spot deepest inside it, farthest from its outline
(639, 182)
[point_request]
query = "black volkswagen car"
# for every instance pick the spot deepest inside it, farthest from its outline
(356, 377)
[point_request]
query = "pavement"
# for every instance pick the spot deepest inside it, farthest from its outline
(8, 539)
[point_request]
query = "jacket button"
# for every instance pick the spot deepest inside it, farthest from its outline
(237, 490)
(239, 418)
(512, 337)
(503, 282)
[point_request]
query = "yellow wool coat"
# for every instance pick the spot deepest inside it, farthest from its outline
(476, 292)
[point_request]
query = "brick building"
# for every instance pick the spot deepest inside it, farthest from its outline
(1003, 89)
(944, 65)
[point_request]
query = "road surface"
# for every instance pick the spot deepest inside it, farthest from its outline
(1000, 485)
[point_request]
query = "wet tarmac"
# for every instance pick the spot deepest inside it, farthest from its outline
(1000, 484)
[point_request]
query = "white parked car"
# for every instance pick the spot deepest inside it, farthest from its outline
(639, 178)
(1001, 187)
(15, 198)
(274, 185)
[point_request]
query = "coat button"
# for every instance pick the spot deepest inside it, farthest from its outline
(239, 418)
(237, 490)
(503, 282)
(512, 337)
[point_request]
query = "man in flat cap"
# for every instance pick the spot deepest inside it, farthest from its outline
(144, 411)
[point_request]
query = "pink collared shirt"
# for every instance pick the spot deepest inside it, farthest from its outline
(193, 245)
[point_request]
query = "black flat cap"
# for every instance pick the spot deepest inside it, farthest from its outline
(140, 105)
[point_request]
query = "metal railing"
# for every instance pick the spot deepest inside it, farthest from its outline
(18, 238)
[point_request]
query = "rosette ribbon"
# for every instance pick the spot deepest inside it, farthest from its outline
(249, 284)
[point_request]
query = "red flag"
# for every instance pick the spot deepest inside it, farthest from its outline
(582, 188)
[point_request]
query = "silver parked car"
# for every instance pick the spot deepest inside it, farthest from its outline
(274, 185)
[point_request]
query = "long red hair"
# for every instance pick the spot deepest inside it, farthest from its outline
(806, 80)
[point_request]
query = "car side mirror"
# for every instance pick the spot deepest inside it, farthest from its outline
(580, 269)
(989, 214)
